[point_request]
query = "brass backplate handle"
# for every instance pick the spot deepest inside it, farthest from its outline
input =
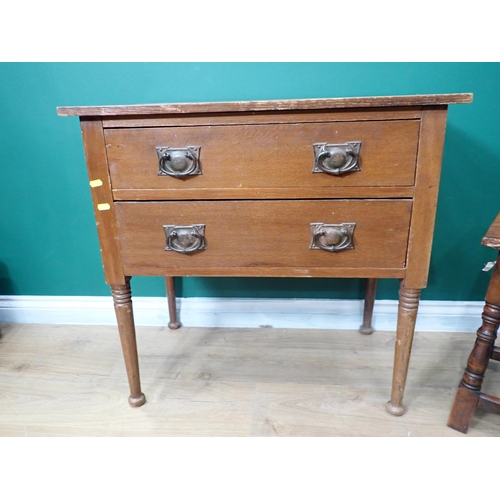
(185, 239)
(336, 159)
(332, 237)
(179, 162)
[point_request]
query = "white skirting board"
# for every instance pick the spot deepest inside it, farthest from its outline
(443, 316)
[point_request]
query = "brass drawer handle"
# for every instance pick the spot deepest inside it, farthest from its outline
(179, 162)
(185, 239)
(336, 159)
(332, 237)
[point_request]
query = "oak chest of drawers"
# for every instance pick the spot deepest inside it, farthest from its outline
(295, 188)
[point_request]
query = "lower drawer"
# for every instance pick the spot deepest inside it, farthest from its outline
(263, 237)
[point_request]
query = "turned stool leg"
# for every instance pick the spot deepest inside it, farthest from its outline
(172, 311)
(469, 389)
(407, 316)
(371, 288)
(122, 299)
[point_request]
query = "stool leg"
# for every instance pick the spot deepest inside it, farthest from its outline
(407, 316)
(122, 299)
(371, 288)
(469, 389)
(172, 311)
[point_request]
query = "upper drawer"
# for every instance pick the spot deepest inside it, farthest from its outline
(264, 156)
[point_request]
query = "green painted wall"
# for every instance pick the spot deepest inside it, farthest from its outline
(48, 240)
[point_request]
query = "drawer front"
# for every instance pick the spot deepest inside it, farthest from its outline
(261, 234)
(264, 156)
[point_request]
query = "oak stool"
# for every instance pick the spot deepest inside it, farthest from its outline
(469, 395)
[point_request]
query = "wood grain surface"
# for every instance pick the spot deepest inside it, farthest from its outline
(271, 116)
(266, 233)
(97, 167)
(492, 236)
(264, 156)
(238, 193)
(427, 179)
(66, 380)
(292, 193)
(288, 104)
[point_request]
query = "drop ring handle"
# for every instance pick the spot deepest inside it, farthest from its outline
(337, 159)
(185, 239)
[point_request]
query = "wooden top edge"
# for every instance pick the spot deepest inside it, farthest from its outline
(492, 236)
(275, 105)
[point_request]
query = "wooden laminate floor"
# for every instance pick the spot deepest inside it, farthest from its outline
(65, 380)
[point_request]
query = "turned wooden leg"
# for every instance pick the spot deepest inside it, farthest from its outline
(122, 299)
(371, 288)
(407, 316)
(172, 311)
(469, 390)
